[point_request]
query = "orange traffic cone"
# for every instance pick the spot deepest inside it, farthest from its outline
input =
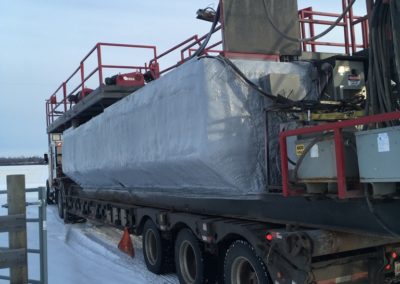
(126, 245)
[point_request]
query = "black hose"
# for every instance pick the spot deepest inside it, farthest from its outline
(377, 217)
(381, 98)
(210, 33)
(239, 73)
(328, 30)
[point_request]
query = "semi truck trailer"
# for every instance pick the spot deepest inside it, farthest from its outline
(254, 158)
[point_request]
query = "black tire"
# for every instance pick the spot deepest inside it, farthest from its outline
(243, 266)
(189, 258)
(60, 203)
(157, 252)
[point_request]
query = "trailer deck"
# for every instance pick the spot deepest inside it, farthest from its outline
(90, 106)
(353, 215)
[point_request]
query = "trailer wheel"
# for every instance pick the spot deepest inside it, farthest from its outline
(243, 266)
(189, 258)
(156, 251)
(60, 203)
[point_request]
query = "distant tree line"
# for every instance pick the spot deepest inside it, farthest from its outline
(19, 161)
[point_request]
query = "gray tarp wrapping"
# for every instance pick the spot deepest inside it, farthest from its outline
(198, 127)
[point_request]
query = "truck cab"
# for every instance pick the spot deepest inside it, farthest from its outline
(55, 166)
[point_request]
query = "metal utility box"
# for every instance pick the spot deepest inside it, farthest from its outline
(246, 27)
(379, 155)
(348, 77)
(319, 163)
(286, 85)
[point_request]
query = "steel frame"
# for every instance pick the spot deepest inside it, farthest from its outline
(349, 22)
(336, 128)
(56, 107)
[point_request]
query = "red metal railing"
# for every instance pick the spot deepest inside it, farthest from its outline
(337, 129)
(56, 106)
(308, 23)
(185, 49)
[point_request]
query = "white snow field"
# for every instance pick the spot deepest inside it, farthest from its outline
(77, 253)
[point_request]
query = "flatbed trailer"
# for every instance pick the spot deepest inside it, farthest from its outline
(284, 235)
(353, 216)
(287, 251)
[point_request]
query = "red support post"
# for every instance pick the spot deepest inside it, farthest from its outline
(312, 28)
(336, 127)
(99, 64)
(64, 86)
(155, 54)
(346, 28)
(285, 167)
(52, 113)
(352, 30)
(47, 113)
(82, 67)
(303, 29)
(366, 33)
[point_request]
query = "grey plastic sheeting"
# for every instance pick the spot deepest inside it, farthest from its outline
(198, 128)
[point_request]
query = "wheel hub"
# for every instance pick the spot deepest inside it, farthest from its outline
(243, 272)
(187, 262)
(151, 247)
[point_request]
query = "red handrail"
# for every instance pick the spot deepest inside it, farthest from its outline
(349, 22)
(53, 104)
(306, 17)
(186, 45)
(337, 128)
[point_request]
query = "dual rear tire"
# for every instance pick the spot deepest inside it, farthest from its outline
(243, 266)
(194, 265)
(157, 252)
(191, 262)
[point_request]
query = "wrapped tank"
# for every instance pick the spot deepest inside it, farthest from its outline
(199, 128)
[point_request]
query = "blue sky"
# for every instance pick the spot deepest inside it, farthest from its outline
(43, 41)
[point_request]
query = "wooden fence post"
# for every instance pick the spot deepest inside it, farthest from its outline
(18, 239)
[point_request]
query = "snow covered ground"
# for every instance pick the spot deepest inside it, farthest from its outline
(78, 253)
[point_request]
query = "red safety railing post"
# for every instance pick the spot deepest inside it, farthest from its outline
(154, 67)
(285, 166)
(366, 33)
(64, 87)
(346, 28)
(352, 30)
(155, 54)
(52, 113)
(336, 127)
(99, 64)
(82, 67)
(312, 28)
(47, 113)
(303, 29)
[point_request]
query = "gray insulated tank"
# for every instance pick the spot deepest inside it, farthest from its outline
(198, 129)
